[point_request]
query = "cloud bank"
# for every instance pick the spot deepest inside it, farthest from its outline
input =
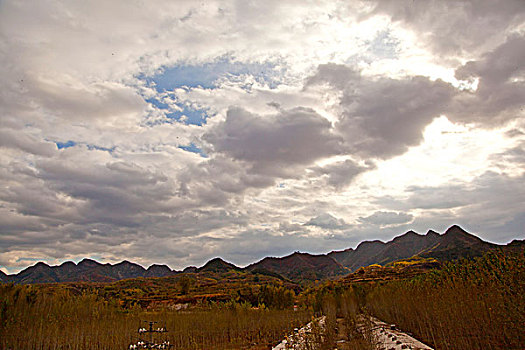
(176, 132)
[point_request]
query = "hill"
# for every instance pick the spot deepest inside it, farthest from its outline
(217, 265)
(301, 266)
(452, 244)
(3, 276)
(400, 269)
(297, 267)
(86, 270)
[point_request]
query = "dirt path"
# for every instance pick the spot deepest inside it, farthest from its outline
(299, 339)
(384, 336)
(387, 337)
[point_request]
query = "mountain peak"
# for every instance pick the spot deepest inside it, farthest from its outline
(218, 265)
(158, 266)
(41, 264)
(369, 243)
(190, 269)
(455, 229)
(456, 234)
(432, 233)
(159, 271)
(410, 235)
(126, 263)
(300, 266)
(88, 263)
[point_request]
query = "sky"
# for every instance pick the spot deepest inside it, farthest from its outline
(173, 132)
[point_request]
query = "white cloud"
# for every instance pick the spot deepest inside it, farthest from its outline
(385, 218)
(351, 123)
(327, 221)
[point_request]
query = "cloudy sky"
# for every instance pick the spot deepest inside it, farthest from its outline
(173, 132)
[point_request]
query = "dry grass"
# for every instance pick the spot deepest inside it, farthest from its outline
(470, 304)
(33, 318)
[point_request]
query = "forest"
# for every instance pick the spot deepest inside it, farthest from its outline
(466, 304)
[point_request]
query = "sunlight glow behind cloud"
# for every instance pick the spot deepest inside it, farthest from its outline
(179, 131)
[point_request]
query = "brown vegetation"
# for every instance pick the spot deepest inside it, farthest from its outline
(470, 304)
(39, 318)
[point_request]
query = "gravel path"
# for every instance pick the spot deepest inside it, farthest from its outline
(297, 341)
(385, 336)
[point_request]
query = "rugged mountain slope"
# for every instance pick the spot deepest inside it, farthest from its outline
(454, 243)
(158, 271)
(86, 270)
(365, 254)
(217, 265)
(3, 277)
(301, 266)
(39, 273)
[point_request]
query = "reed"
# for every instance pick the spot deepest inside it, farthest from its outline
(469, 304)
(36, 318)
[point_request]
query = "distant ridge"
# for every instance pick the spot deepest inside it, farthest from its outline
(301, 266)
(218, 265)
(454, 243)
(86, 270)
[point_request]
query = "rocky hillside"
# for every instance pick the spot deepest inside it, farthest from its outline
(301, 266)
(86, 270)
(452, 244)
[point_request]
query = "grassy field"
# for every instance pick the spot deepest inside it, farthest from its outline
(35, 318)
(469, 304)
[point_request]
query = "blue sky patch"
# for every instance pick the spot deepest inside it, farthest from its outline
(207, 75)
(189, 116)
(99, 148)
(194, 149)
(67, 144)
(157, 103)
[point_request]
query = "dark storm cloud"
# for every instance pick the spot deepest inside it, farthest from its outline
(218, 181)
(455, 27)
(341, 174)
(98, 189)
(327, 221)
(383, 117)
(113, 191)
(278, 145)
(515, 155)
(501, 89)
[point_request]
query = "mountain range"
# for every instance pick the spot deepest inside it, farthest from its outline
(452, 244)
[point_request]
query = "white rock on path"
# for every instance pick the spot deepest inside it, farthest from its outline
(297, 341)
(387, 338)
